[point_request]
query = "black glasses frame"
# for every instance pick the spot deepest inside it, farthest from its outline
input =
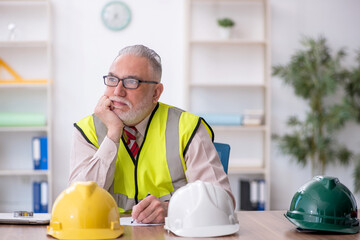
(124, 81)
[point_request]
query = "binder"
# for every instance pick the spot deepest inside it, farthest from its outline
(40, 153)
(245, 203)
(36, 153)
(254, 194)
(44, 197)
(36, 197)
(261, 203)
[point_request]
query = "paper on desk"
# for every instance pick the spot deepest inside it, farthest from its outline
(127, 221)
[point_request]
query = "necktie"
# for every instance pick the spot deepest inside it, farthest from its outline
(131, 140)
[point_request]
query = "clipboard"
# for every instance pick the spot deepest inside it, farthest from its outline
(35, 219)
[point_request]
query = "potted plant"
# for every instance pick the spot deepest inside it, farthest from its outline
(226, 25)
(315, 76)
(351, 103)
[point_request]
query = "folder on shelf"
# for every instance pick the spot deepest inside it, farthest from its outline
(254, 194)
(40, 153)
(9, 119)
(222, 119)
(44, 197)
(261, 199)
(40, 197)
(36, 197)
(245, 203)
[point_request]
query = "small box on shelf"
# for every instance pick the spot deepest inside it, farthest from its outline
(253, 117)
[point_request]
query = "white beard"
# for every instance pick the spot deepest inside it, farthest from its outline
(135, 114)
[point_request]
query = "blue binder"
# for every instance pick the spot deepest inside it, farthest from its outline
(36, 197)
(40, 153)
(44, 197)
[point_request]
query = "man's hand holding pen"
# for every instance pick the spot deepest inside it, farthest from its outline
(150, 210)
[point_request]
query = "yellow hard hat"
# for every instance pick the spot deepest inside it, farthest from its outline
(85, 211)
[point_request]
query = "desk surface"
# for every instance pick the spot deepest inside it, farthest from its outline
(253, 225)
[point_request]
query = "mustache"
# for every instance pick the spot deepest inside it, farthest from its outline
(119, 99)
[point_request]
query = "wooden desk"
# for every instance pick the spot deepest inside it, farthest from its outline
(253, 226)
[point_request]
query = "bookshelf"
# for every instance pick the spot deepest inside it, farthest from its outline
(27, 51)
(232, 76)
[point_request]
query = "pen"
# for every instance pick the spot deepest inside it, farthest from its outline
(132, 220)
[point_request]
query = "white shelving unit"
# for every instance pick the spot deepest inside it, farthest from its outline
(229, 76)
(29, 53)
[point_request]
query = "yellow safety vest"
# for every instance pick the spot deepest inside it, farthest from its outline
(159, 167)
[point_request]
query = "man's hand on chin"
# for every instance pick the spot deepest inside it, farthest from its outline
(104, 111)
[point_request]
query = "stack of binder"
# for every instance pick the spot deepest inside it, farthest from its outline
(40, 160)
(252, 195)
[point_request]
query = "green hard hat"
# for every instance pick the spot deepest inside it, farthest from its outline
(324, 204)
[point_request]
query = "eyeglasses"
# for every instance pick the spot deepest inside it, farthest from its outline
(129, 82)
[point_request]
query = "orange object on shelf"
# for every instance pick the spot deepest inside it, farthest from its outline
(17, 78)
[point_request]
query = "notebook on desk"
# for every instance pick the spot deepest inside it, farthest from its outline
(37, 218)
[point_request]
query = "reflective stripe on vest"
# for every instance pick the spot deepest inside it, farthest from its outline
(162, 163)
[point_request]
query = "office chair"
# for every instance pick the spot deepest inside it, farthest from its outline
(223, 150)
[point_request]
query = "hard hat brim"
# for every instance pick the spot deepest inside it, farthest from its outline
(209, 231)
(318, 226)
(85, 233)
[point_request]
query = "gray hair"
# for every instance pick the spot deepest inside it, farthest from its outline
(142, 51)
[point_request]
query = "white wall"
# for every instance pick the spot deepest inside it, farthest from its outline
(84, 49)
(337, 20)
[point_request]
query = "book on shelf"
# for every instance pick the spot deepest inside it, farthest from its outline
(252, 194)
(222, 119)
(40, 153)
(40, 197)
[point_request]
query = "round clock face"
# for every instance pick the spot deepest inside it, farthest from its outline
(116, 15)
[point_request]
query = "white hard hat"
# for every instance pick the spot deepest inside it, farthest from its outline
(201, 209)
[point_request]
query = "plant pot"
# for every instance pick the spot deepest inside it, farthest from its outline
(225, 32)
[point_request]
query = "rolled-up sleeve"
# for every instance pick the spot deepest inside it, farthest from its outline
(87, 163)
(203, 162)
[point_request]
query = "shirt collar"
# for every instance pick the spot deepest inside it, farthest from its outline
(141, 126)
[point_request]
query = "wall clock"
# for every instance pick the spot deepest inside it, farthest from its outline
(116, 15)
